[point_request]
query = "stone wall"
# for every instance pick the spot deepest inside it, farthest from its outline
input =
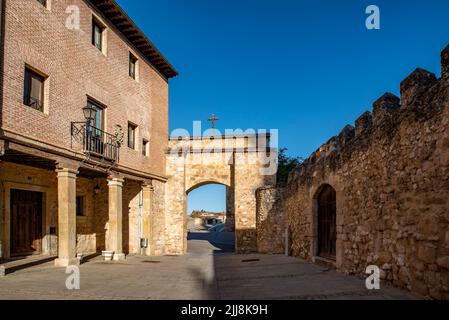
(270, 220)
(130, 212)
(247, 180)
(391, 176)
(27, 178)
(176, 210)
(90, 228)
(158, 230)
(101, 214)
(230, 210)
(86, 236)
(131, 190)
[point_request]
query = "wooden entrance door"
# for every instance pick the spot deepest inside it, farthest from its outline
(26, 222)
(327, 223)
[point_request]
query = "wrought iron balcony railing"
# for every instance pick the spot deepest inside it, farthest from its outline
(95, 141)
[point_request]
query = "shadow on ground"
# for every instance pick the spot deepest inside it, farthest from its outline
(223, 242)
(210, 270)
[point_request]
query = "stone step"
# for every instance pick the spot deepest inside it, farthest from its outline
(325, 263)
(23, 263)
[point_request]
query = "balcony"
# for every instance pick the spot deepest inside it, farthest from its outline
(95, 142)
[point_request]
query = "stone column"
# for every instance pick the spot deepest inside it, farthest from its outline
(66, 217)
(147, 195)
(175, 212)
(115, 241)
(230, 216)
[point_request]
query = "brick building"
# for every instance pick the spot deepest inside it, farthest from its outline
(84, 128)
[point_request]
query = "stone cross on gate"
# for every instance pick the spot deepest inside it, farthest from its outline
(213, 119)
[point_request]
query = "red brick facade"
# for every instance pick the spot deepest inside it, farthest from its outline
(34, 143)
(75, 69)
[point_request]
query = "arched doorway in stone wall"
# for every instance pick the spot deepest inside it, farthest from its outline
(326, 223)
(210, 218)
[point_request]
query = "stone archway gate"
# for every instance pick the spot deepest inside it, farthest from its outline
(243, 163)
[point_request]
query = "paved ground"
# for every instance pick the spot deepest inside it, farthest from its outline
(207, 272)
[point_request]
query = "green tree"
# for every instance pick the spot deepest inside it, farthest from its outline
(285, 165)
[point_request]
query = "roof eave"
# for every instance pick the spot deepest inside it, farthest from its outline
(117, 16)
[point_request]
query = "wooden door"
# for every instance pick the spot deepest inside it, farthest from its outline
(327, 223)
(26, 222)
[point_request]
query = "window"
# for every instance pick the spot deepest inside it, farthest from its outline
(132, 136)
(97, 34)
(43, 2)
(145, 149)
(34, 90)
(96, 139)
(80, 206)
(132, 66)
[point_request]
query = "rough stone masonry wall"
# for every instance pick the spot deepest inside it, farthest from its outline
(89, 228)
(157, 245)
(391, 176)
(270, 220)
(130, 218)
(130, 221)
(247, 179)
(13, 176)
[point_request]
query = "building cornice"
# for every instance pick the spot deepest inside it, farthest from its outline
(58, 153)
(119, 18)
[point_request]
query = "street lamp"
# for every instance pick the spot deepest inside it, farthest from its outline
(89, 113)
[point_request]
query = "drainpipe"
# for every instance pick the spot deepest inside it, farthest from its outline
(140, 221)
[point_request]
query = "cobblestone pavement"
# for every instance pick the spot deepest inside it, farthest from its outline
(207, 272)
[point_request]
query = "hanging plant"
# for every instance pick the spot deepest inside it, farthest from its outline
(118, 134)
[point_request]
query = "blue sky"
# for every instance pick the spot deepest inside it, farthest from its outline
(210, 198)
(307, 68)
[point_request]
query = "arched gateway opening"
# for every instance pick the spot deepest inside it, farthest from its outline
(327, 223)
(210, 223)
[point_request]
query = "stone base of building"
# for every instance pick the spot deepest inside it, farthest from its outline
(119, 257)
(92, 225)
(61, 263)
